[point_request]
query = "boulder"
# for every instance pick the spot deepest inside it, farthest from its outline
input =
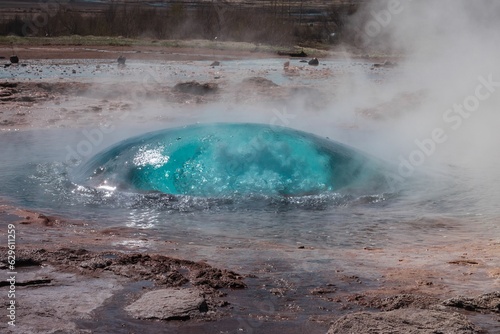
(14, 59)
(314, 62)
(168, 304)
(121, 60)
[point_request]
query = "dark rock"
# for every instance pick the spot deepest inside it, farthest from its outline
(218, 278)
(408, 321)
(26, 263)
(293, 54)
(388, 64)
(463, 262)
(196, 88)
(488, 302)
(168, 304)
(314, 62)
(121, 60)
(215, 63)
(8, 84)
(14, 59)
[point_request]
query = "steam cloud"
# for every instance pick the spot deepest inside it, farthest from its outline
(437, 110)
(451, 79)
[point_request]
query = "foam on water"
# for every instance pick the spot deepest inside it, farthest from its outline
(220, 160)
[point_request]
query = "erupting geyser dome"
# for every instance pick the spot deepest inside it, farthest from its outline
(218, 160)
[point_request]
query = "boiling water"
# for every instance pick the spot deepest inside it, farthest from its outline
(231, 160)
(38, 171)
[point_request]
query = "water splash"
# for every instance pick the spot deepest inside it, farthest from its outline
(220, 160)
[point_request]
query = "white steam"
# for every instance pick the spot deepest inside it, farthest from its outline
(438, 109)
(450, 72)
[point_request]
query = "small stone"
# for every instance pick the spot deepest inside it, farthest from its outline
(314, 62)
(121, 60)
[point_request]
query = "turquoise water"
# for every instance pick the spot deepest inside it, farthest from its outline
(221, 160)
(322, 192)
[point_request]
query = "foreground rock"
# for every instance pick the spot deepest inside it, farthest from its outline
(162, 270)
(409, 321)
(52, 301)
(72, 290)
(168, 304)
(488, 302)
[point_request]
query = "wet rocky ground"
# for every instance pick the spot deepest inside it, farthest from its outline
(46, 89)
(76, 277)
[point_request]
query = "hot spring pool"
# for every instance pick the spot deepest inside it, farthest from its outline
(233, 180)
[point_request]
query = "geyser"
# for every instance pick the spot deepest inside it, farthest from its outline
(218, 160)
